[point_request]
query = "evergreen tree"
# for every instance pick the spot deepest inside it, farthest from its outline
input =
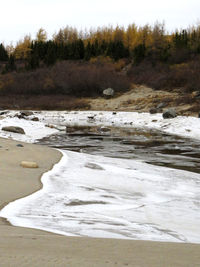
(88, 53)
(33, 61)
(10, 66)
(139, 53)
(51, 56)
(3, 53)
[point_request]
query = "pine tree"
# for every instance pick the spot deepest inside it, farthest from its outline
(3, 53)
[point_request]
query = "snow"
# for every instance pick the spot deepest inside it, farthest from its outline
(181, 125)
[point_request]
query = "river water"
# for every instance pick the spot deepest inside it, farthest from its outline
(150, 146)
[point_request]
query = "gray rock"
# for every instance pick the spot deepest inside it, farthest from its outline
(109, 92)
(26, 113)
(19, 145)
(169, 114)
(93, 166)
(153, 111)
(14, 129)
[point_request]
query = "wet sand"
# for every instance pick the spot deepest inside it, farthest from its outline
(28, 247)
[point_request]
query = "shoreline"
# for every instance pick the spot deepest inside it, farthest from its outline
(29, 247)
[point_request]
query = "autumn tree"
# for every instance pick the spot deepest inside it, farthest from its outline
(23, 48)
(41, 35)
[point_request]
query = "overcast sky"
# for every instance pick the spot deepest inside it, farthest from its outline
(21, 17)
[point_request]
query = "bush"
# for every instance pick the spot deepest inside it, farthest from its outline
(162, 76)
(67, 77)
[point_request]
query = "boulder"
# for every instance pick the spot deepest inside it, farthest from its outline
(29, 164)
(169, 114)
(109, 92)
(13, 129)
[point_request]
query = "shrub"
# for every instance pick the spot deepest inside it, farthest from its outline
(67, 77)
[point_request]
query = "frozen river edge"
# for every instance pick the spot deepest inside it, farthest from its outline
(180, 125)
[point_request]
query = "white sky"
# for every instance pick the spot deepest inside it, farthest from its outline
(21, 17)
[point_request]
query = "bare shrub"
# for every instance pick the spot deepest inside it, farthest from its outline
(162, 76)
(69, 78)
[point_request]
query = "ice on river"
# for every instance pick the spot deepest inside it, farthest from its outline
(86, 195)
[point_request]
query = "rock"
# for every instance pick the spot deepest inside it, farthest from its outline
(19, 145)
(35, 119)
(26, 113)
(169, 114)
(153, 111)
(14, 129)
(29, 164)
(114, 113)
(196, 94)
(50, 126)
(19, 116)
(3, 113)
(104, 129)
(109, 92)
(93, 166)
(199, 115)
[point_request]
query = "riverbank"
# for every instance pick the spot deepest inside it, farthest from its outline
(138, 99)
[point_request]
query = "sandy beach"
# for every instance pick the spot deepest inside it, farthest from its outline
(28, 247)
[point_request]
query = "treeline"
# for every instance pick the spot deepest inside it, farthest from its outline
(134, 43)
(155, 57)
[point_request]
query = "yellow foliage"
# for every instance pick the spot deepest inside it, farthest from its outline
(22, 48)
(101, 59)
(41, 35)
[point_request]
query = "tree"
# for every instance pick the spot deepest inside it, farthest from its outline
(139, 53)
(51, 56)
(23, 48)
(3, 53)
(41, 35)
(10, 66)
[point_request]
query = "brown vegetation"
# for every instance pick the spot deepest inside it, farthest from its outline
(44, 102)
(77, 79)
(183, 76)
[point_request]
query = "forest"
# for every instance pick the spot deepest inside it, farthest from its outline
(83, 63)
